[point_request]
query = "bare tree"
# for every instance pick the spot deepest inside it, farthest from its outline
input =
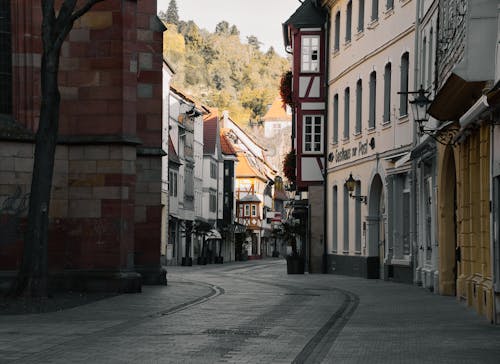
(56, 25)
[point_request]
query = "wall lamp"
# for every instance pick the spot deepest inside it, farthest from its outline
(419, 107)
(351, 185)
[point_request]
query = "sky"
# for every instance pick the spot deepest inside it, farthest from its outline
(262, 18)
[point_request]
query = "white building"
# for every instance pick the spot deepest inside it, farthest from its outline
(370, 136)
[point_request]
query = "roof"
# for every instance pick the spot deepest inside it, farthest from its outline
(309, 14)
(245, 168)
(210, 126)
(172, 155)
(226, 145)
(250, 198)
(277, 112)
(203, 109)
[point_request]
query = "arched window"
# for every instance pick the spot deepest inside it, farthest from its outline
(423, 79)
(430, 70)
(336, 118)
(348, 22)
(359, 105)
(387, 93)
(374, 10)
(335, 218)
(336, 45)
(373, 100)
(403, 98)
(5, 58)
(361, 16)
(346, 220)
(347, 97)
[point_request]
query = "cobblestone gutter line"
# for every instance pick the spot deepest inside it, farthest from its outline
(317, 348)
(95, 336)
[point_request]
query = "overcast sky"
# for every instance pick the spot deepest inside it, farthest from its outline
(262, 18)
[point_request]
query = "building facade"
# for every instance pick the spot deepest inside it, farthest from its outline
(370, 133)
(306, 39)
(105, 210)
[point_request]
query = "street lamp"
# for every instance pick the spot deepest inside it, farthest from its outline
(419, 107)
(351, 185)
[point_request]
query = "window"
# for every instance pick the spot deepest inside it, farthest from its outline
(212, 202)
(335, 207)
(357, 220)
(173, 184)
(403, 98)
(240, 210)
(336, 45)
(336, 118)
(213, 170)
(389, 4)
(189, 182)
(431, 52)
(387, 93)
(361, 16)
(313, 134)
(359, 100)
(348, 22)
(373, 100)
(254, 210)
(374, 10)
(347, 96)
(247, 210)
(346, 219)
(424, 62)
(310, 53)
(5, 59)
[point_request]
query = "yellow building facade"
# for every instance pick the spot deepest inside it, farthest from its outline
(464, 221)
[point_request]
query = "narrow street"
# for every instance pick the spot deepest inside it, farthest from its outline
(253, 312)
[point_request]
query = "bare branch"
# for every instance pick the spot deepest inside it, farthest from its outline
(88, 5)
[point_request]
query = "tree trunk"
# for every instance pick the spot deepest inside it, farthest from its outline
(32, 276)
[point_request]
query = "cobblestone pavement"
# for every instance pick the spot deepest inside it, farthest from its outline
(253, 312)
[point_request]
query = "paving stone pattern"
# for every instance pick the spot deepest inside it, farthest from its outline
(253, 312)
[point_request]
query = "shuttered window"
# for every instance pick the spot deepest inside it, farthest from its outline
(347, 96)
(359, 105)
(403, 98)
(387, 93)
(373, 100)
(348, 22)
(336, 118)
(361, 16)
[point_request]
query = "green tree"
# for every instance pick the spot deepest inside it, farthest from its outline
(233, 30)
(253, 41)
(222, 28)
(57, 22)
(172, 13)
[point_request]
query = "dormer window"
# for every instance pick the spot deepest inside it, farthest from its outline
(310, 53)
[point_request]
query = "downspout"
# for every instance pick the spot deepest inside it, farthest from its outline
(414, 251)
(325, 141)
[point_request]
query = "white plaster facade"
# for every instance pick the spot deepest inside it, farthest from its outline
(374, 144)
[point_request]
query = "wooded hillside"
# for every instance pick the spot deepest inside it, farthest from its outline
(221, 71)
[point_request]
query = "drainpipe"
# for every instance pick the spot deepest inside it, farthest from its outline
(414, 234)
(325, 141)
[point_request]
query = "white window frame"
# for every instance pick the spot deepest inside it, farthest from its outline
(313, 134)
(254, 210)
(308, 50)
(247, 210)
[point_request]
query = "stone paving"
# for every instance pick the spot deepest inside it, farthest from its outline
(253, 312)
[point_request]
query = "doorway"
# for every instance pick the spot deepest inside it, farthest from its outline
(376, 223)
(449, 252)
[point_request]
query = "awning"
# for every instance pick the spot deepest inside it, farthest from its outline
(455, 98)
(213, 234)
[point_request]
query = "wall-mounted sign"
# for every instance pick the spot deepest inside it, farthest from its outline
(345, 154)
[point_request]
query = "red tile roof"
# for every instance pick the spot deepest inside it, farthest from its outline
(277, 112)
(226, 145)
(210, 123)
(172, 155)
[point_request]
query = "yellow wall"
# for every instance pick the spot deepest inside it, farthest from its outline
(474, 272)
